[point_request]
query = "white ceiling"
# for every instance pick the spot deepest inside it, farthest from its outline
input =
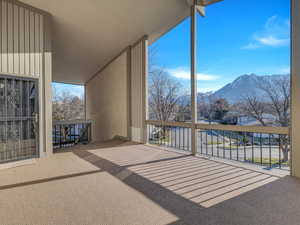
(88, 33)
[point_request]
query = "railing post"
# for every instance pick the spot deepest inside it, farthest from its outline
(193, 77)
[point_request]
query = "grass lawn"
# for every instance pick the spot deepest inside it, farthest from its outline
(266, 161)
(233, 147)
(214, 143)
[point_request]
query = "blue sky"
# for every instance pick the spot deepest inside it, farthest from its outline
(76, 90)
(236, 37)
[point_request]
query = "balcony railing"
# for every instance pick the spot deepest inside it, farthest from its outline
(69, 133)
(265, 146)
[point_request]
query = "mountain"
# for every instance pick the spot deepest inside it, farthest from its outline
(245, 85)
(186, 99)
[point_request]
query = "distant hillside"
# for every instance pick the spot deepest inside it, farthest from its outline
(244, 85)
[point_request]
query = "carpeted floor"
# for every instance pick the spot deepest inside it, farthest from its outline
(125, 183)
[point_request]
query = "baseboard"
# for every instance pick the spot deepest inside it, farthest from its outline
(121, 138)
(17, 164)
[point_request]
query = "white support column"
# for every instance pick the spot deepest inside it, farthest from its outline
(47, 87)
(129, 105)
(194, 76)
(145, 90)
(295, 87)
(139, 99)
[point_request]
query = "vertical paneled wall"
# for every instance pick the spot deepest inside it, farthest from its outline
(107, 100)
(116, 99)
(25, 51)
(21, 39)
(138, 90)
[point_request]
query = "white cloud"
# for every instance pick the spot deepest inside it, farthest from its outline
(275, 33)
(285, 70)
(183, 73)
(273, 41)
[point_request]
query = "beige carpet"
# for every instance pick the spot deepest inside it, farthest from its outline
(127, 184)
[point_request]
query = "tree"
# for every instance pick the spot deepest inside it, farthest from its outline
(67, 106)
(253, 107)
(183, 109)
(220, 107)
(276, 102)
(212, 108)
(278, 94)
(164, 94)
(205, 109)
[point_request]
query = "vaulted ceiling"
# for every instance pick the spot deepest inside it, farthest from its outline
(88, 33)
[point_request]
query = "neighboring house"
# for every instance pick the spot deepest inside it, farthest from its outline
(244, 120)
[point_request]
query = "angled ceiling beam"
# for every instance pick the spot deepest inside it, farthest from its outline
(201, 4)
(208, 2)
(201, 10)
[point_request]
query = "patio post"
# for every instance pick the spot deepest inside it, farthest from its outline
(145, 90)
(295, 89)
(194, 76)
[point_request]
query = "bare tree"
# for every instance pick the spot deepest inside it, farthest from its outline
(254, 107)
(276, 102)
(183, 109)
(278, 94)
(67, 106)
(205, 107)
(164, 94)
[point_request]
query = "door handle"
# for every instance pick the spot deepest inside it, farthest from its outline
(35, 123)
(36, 118)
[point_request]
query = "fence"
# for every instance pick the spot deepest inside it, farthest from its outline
(70, 133)
(265, 146)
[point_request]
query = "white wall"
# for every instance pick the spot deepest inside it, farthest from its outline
(107, 100)
(116, 96)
